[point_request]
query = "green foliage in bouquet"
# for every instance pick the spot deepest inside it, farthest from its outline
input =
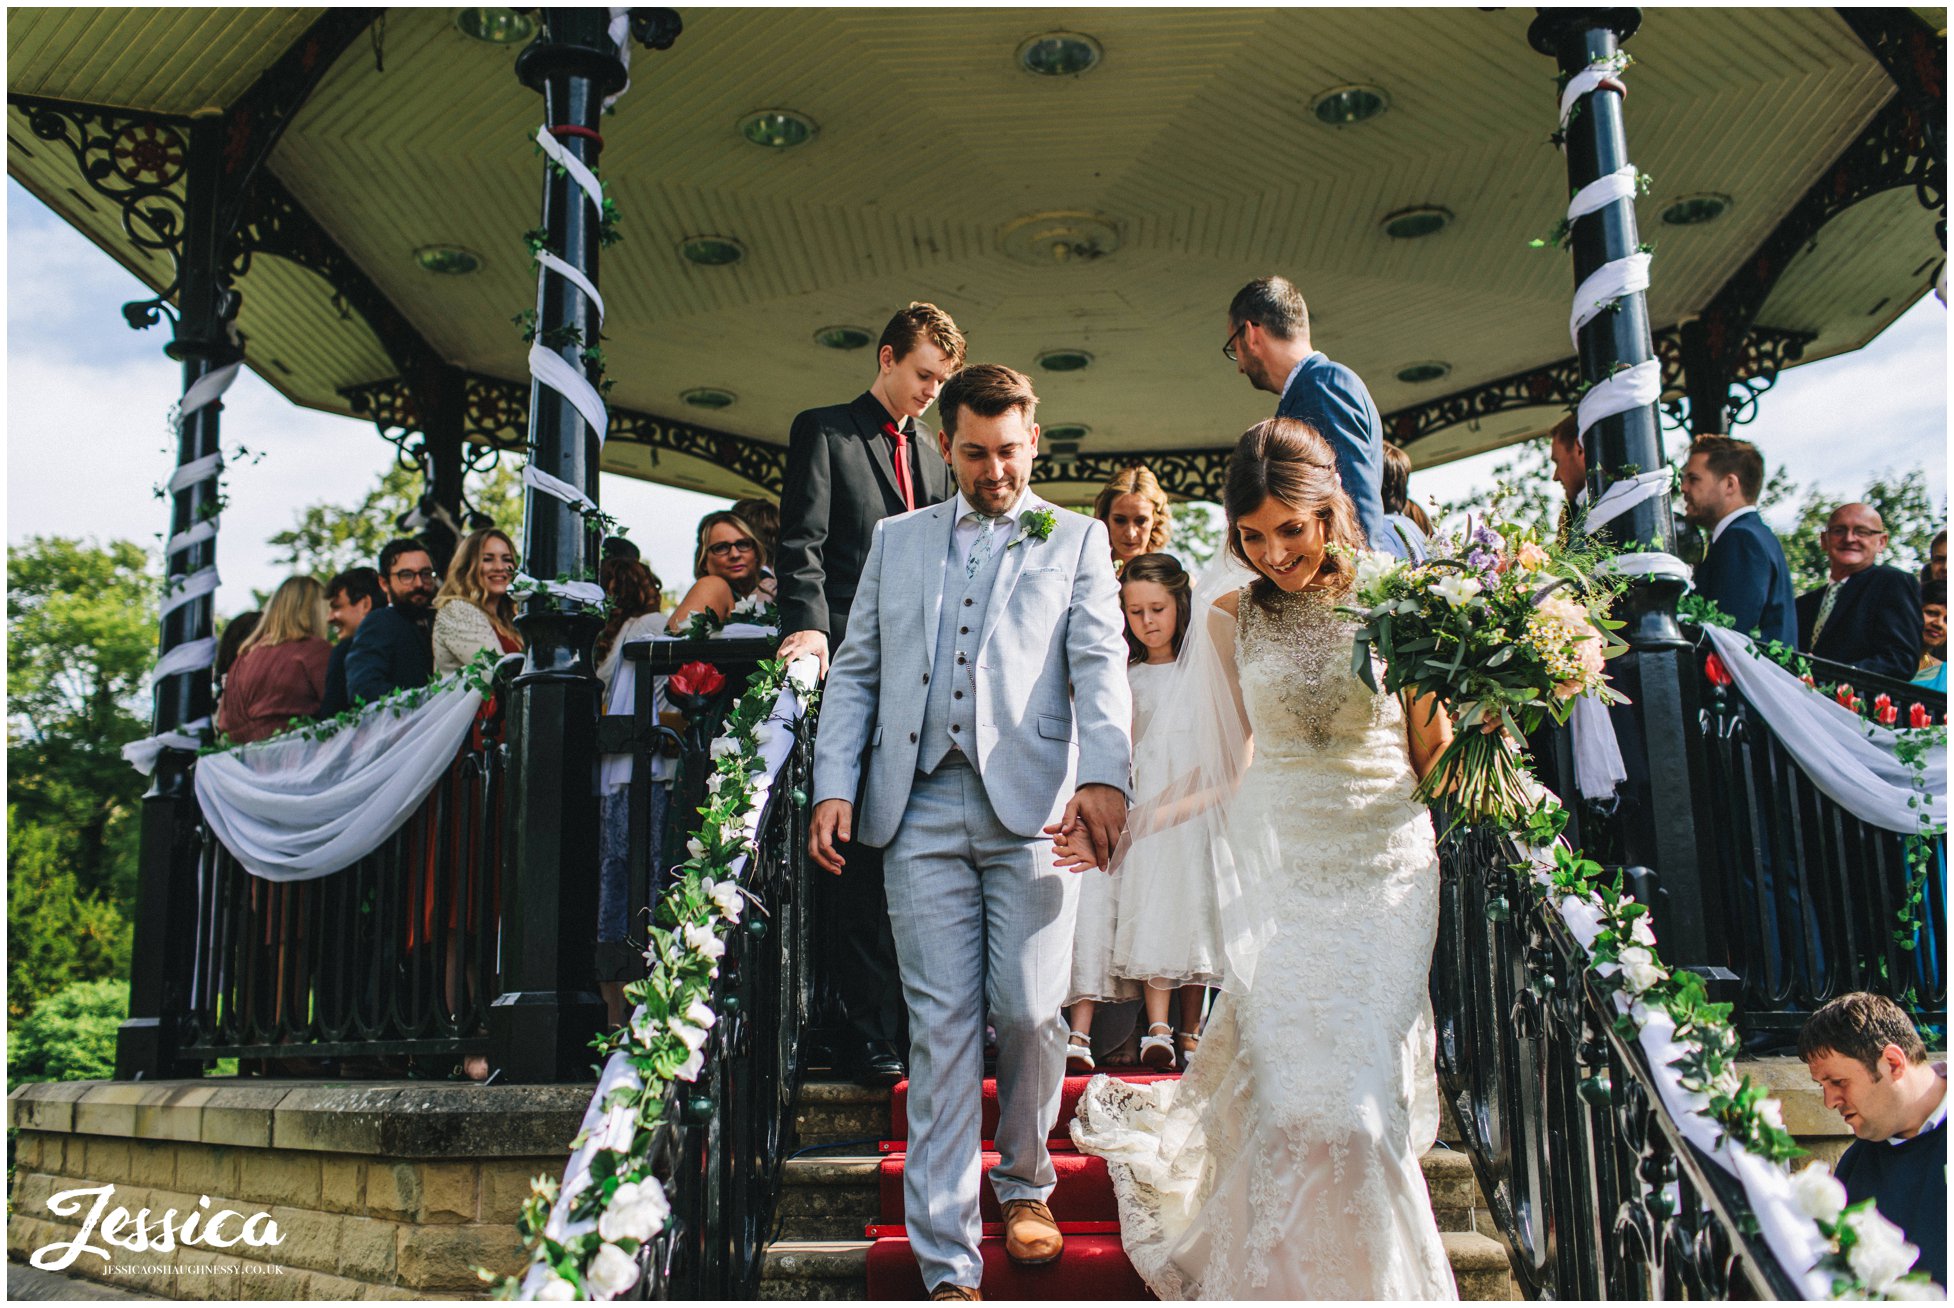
(1504, 628)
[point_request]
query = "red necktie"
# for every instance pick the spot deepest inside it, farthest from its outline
(903, 487)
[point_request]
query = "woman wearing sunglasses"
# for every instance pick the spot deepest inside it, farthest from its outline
(730, 566)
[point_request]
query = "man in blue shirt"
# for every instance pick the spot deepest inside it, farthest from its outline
(1872, 1067)
(394, 647)
(1744, 572)
(1268, 341)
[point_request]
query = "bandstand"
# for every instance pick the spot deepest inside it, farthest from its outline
(351, 202)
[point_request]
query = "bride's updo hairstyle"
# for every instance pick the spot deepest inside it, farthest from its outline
(1288, 460)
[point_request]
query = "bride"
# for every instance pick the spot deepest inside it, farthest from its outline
(1284, 1165)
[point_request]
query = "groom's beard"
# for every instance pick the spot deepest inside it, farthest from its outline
(992, 501)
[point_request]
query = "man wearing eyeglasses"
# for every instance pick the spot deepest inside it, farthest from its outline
(394, 647)
(1867, 615)
(849, 466)
(1268, 342)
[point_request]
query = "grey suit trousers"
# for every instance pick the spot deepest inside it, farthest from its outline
(981, 918)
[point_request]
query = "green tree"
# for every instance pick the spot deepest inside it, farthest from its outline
(328, 538)
(1902, 503)
(81, 638)
(1198, 530)
(57, 934)
(71, 1037)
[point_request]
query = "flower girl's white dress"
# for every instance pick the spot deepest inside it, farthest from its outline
(1284, 1165)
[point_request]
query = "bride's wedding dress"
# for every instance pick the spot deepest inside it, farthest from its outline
(1284, 1164)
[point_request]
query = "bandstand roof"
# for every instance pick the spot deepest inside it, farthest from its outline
(1192, 146)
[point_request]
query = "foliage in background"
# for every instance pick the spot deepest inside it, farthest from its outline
(57, 933)
(81, 637)
(71, 1036)
(328, 539)
(1198, 530)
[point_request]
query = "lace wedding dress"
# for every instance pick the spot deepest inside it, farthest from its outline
(1284, 1164)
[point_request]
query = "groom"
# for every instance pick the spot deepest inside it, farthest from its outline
(984, 675)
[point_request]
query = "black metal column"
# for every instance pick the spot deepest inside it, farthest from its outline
(442, 399)
(146, 1045)
(1706, 380)
(541, 1025)
(1657, 814)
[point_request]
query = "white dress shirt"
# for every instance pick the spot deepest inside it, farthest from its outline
(970, 523)
(1729, 518)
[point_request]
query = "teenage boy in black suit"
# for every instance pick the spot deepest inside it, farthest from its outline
(848, 467)
(1869, 614)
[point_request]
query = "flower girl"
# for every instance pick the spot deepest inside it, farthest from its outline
(1166, 914)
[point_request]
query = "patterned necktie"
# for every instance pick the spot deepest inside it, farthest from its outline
(980, 549)
(1832, 590)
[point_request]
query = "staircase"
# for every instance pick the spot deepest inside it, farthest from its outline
(839, 1232)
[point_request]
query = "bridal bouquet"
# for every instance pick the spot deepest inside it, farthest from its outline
(1505, 630)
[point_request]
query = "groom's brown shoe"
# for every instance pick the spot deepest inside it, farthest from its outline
(1031, 1234)
(950, 1291)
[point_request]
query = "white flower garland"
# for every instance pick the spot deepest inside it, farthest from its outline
(585, 1234)
(1692, 1052)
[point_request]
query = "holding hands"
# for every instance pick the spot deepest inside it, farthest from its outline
(1088, 832)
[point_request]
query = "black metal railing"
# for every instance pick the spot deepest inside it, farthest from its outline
(1591, 1185)
(1814, 898)
(393, 956)
(723, 1139)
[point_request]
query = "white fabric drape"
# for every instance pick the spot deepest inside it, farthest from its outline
(1850, 760)
(292, 809)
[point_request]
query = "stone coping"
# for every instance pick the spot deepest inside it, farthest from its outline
(390, 1119)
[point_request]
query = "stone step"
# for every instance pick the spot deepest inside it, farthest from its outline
(838, 1269)
(835, 1196)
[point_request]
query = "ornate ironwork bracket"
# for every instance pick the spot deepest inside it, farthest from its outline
(1915, 57)
(1195, 474)
(137, 162)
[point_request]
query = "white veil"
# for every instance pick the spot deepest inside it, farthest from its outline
(1197, 747)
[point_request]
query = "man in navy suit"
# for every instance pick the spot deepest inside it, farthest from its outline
(1868, 615)
(394, 646)
(1744, 573)
(1268, 342)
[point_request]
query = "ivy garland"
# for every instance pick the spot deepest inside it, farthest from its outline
(755, 608)
(1623, 963)
(477, 675)
(593, 1251)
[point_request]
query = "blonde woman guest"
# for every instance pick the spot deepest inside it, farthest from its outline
(730, 566)
(472, 610)
(280, 673)
(1136, 514)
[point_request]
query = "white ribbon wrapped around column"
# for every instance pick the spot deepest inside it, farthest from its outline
(190, 656)
(576, 278)
(1598, 766)
(579, 171)
(556, 488)
(1604, 286)
(1622, 496)
(198, 584)
(548, 367)
(193, 535)
(205, 390)
(1602, 70)
(189, 474)
(142, 754)
(1604, 191)
(584, 592)
(1631, 388)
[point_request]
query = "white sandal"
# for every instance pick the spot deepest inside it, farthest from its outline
(1078, 1053)
(1190, 1042)
(1157, 1051)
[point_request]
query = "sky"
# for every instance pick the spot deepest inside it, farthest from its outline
(88, 439)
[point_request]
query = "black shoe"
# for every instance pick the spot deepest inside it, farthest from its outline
(877, 1064)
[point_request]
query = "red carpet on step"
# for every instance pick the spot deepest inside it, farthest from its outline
(1093, 1266)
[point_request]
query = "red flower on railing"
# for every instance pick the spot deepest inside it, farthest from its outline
(1918, 716)
(1809, 680)
(696, 680)
(1713, 669)
(1843, 693)
(1885, 710)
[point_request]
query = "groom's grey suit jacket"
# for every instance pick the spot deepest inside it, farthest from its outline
(1053, 710)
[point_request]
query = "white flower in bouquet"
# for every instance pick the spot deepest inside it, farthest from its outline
(700, 1014)
(724, 747)
(753, 606)
(1641, 932)
(1374, 567)
(1881, 1255)
(694, 849)
(727, 897)
(1639, 969)
(1772, 1112)
(1456, 589)
(701, 939)
(714, 782)
(642, 1028)
(689, 1070)
(611, 1272)
(1818, 1193)
(557, 1290)
(1920, 1291)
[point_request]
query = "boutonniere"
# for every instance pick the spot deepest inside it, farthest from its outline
(1035, 525)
